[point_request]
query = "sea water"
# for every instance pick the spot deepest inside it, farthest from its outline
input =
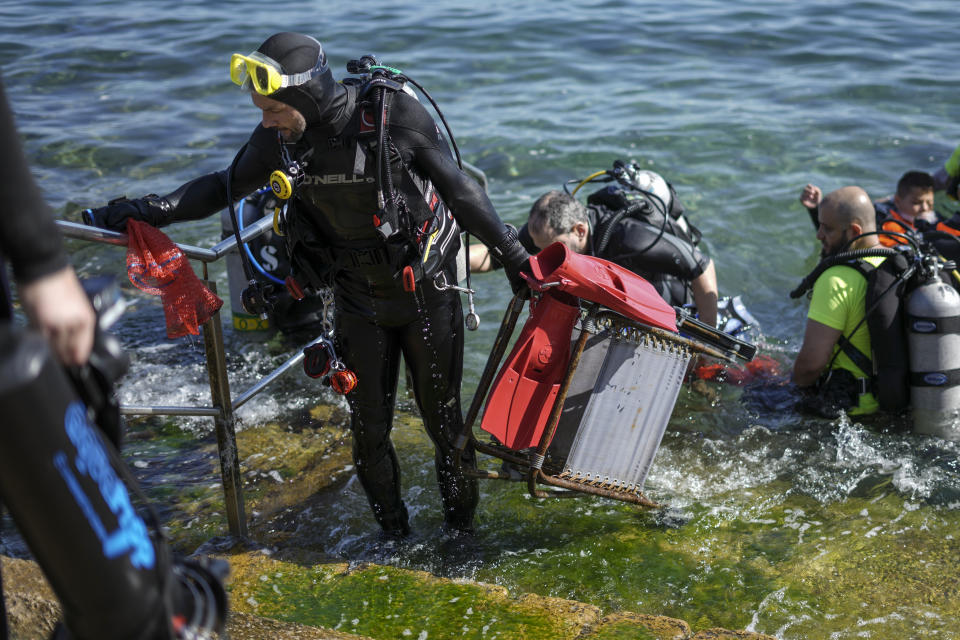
(777, 523)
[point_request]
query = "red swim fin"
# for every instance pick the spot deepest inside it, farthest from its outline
(522, 396)
(603, 282)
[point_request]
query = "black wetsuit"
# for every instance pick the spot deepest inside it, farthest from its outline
(28, 234)
(331, 218)
(50, 453)
(669, 261)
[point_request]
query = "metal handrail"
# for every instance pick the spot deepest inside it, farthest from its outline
(214, 253)
(273, 375)
(223, 407)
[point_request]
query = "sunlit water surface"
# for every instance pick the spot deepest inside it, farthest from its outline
(774, 522)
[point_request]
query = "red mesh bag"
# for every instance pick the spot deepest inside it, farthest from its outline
(156, 265)
(760, 368)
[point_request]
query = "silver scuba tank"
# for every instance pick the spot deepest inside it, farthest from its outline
(237, 280)
(933, 311)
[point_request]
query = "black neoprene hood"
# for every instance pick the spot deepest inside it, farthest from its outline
(296, 53)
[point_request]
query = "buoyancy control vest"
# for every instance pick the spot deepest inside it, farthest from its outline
(888, 365)
(633, 203)
(408, 226)
(647, 231)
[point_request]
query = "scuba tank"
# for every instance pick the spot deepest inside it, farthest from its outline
(268, 256)
(242, 321)
(933, 335)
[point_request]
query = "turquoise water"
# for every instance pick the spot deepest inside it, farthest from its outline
(777, 523)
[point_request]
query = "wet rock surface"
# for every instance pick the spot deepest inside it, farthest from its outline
(280, 587)
(420, 605)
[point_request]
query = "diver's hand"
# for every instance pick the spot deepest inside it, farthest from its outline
(151, 209)
(810, 196)
(514, 258)
(57, 305)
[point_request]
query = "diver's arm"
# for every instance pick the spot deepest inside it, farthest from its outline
(481, 260)
(197, 198)
(28, 234)
(810, 199)
(818, 343)
(705, 294)
(49, 291)
(207, 194)
(416, 135)
(465, 197)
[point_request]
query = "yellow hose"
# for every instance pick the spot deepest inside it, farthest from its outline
(588, 179)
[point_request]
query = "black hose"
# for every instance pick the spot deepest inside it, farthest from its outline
(936, 233)
(436, 107)
(244, 260)
(604, 239)
(384, 175)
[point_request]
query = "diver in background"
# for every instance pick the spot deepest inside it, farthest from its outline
(908, 211)
(356, 154)
(670, 261)
(59, 477)
(837, 308)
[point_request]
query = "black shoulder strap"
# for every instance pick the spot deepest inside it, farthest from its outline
(605, 223)
(858, 357)
(863, 361)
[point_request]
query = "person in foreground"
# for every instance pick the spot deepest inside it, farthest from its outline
(379, 226)
(837, 306)
(670, 260)
(60, 478)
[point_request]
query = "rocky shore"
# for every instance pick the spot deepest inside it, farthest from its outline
(279, 589)
(418, 598)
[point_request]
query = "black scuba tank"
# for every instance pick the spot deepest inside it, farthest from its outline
(66, 488)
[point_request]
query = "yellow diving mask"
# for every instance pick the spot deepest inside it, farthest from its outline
(266, 74)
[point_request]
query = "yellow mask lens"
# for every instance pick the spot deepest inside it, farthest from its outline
(266, 78)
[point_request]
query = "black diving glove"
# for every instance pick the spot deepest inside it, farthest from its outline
(151, 209)
(514, 258)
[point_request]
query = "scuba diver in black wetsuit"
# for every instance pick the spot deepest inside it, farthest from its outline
(60, 476)
(373, 191)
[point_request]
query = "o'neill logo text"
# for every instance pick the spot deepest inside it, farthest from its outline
(337, 178)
